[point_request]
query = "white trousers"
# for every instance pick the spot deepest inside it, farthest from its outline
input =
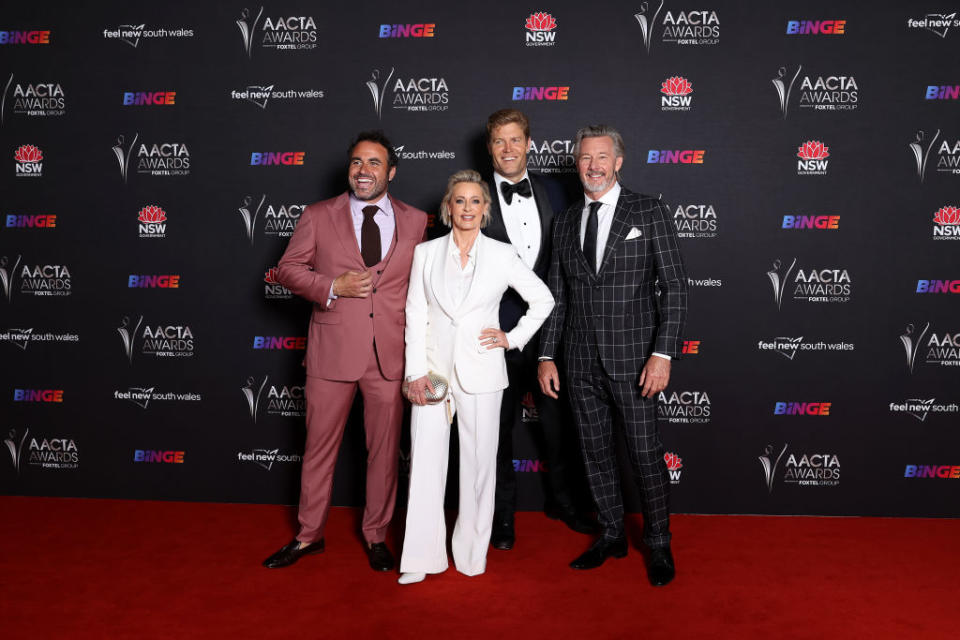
(478, 425)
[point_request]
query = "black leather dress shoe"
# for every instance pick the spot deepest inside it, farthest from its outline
(291, 552)
(578, 522)
(503, 536)
(661, 569)
(380, 557)
(599, 552)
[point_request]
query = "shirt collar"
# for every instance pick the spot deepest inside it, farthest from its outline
(499, 178)
(454, 250)
(610, 197)
(357, 205)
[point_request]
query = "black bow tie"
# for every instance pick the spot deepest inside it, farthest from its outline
(521, 188)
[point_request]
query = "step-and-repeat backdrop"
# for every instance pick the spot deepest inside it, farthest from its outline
(155, 159)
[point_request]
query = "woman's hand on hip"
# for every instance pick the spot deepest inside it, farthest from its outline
(494, 339)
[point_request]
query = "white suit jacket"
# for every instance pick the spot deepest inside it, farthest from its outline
(444, 338)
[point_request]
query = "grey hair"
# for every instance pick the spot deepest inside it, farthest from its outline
(465, 175)
(599, 131)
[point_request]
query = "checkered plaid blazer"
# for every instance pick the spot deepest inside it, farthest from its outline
(636, 304)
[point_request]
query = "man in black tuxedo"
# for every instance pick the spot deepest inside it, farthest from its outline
(621, 302)
(522, 215)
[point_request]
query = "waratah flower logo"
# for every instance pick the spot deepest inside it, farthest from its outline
(152, 213)
(673, 461)
(541, 22)
(813, 150)
(676, 86)
(270, 276)
(28, 153)
(947, 215)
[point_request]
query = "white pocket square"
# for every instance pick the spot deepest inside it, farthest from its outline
(634, 233)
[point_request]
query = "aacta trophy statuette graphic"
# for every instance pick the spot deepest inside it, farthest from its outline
(247, 29)
(646, 24)
(128, 336)
(253, 398)
(378, 90)
(920, 154)
(250, 217)
(16, 448)
(6, 276)
(779, 282)
(784, 89)
(770, 465)
(123, 155)
(910, 345)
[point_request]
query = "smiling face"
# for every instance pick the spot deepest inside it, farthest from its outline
(467, 206)
(508, 150)
(598, 165)
(368, 173)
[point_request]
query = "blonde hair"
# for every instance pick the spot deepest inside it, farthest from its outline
(466, 175)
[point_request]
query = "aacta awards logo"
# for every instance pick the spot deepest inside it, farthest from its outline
(684, 407)
(163, 159)
(829, 284)
(36, 279)
(695, 221)
(14, 444)
(676, 92)
(947, 223)
(820, 93)
(285, 401)
(938, 348)
(699, 27)
(408, 94)
(540, 30)
(29, 161)
(152, 222)
(674, 466)
(551, 156)
(8, 274)
(813, 156)
(272, 289)
(280, 221)
(40, 99)
(947, 156)
(281, 33)
(160, 341)
(811, 470)
(45, 453)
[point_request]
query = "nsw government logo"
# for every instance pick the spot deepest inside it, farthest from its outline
(286, 401)
(942, 348)
(528, 409)
(29, 161)
(684, 407)
(38, 99)
(919, 408)
(272, 289)
(947, 227)
(695, 221)
(826, 284)
(280, 33)
(813, 156)
(159, 341)
(696, 27)
(152, 222)
(676, 92)
(674, 466)
(540, 28)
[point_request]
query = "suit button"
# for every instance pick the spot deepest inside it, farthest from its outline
(371, 315)
(374, 289)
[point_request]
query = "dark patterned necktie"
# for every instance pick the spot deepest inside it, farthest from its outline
(521, 188)
(590, 237)
(370, 237)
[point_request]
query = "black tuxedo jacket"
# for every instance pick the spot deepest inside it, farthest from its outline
(636, 304)
(549, 197)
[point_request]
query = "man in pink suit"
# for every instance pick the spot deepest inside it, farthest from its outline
(351, 257)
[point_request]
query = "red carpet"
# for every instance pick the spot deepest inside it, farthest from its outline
(73, 568)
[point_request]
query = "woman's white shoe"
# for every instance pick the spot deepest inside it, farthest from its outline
(410, 578)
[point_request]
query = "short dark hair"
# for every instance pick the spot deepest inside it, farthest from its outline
(380, 138)
(508, 116)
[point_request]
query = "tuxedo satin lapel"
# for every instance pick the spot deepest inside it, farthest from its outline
(438, 276)
(342, 223)
(497, 229)
(619, 228)
(544, 212)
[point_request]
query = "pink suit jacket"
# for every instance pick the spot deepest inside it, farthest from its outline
(324, 246)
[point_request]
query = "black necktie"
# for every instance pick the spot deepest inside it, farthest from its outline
(521, 188)
(590, 237)
(370, 237)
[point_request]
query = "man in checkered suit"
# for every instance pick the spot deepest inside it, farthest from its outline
(621, 301)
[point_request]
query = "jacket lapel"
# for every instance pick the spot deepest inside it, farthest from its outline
(545, 213)
(574, 231)
(618, 231)
(438, 275)
(342, 223)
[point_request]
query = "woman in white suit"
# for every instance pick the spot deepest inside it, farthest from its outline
(453, 330)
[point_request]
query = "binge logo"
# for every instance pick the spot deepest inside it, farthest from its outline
(695, 221)
(39, 221)
(153, 281)
(420, 30)
(938, 286)
(814, 27)
(29, 161)
(942, 471)
(811, 222)
(813, 156)
(676, 156)
(529, 466)
(528, 409)
(41, 99)
(275, 158)
(287, 343)
(272, 289)
(674, 466)
(676, 92)
(153, 222)
(158, 456)
(540, 30)
(41, 36)
(149, 98)
(684, 407)
(541, 93)
(947, 225)
(802, 408)
(691, 347)
(38, 395)
(943, 92)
